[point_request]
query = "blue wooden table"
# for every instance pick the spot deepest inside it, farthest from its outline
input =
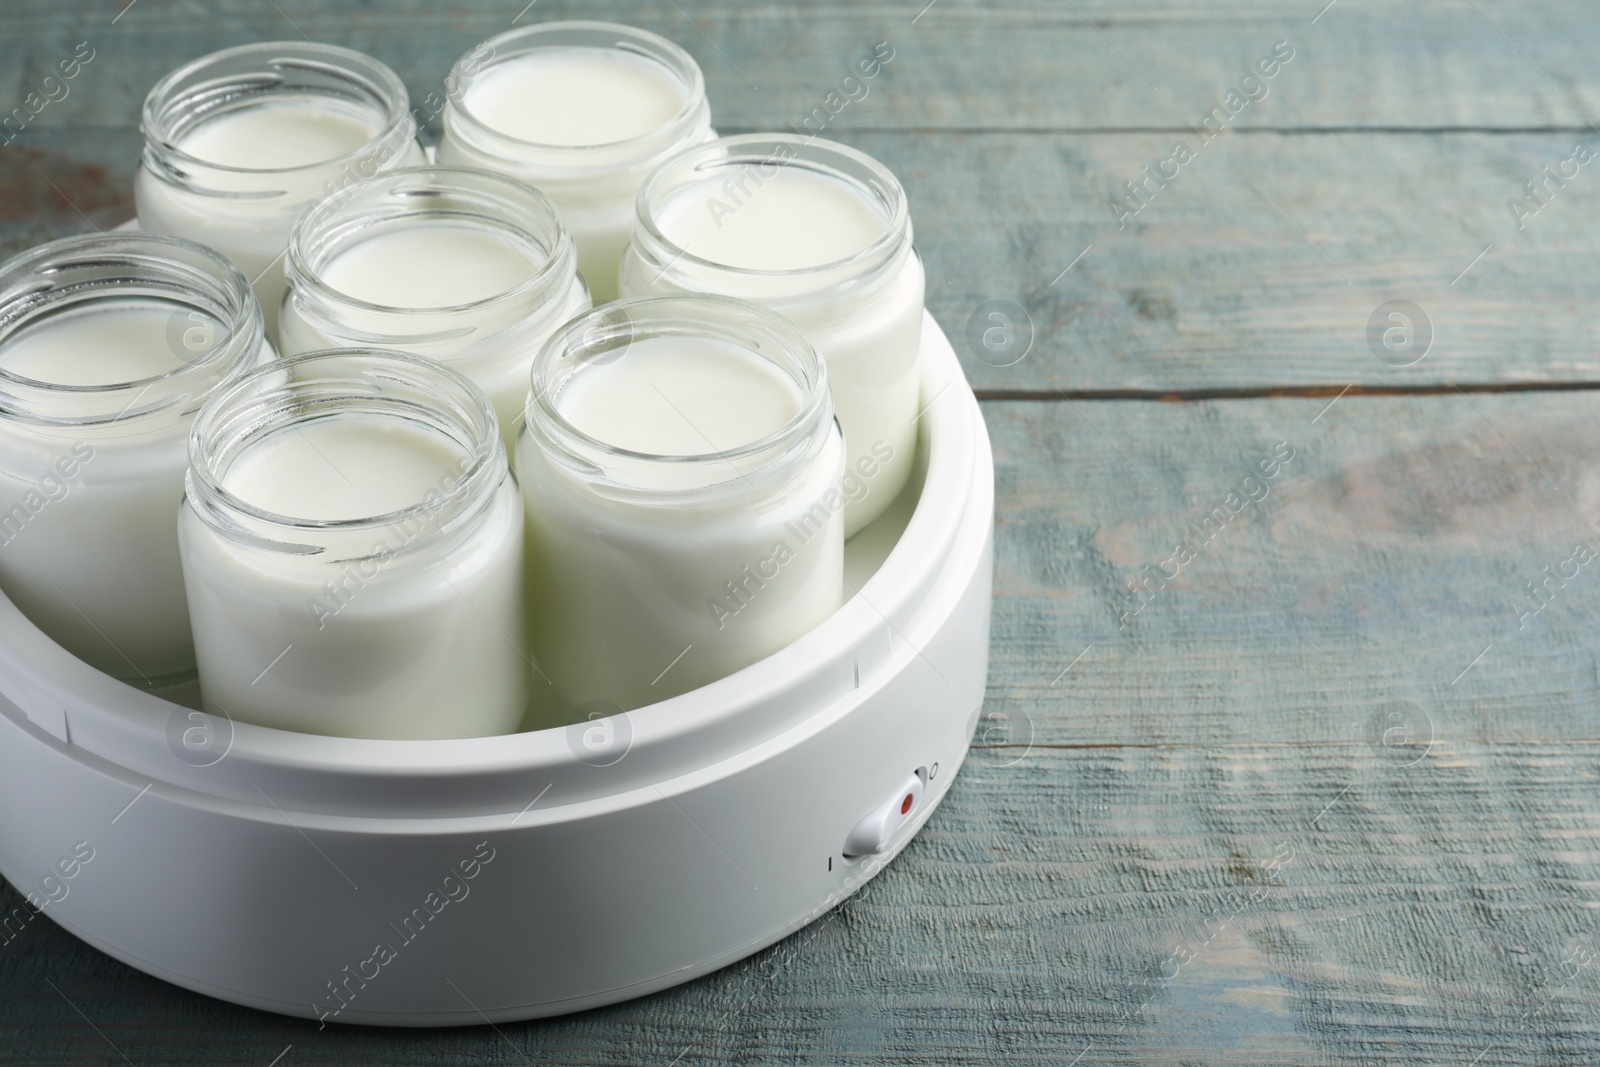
(1299, 767)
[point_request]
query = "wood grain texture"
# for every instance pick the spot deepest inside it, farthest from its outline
(1328, 795)
(1123, 905)
(1394, 548)
(1088, 65)
(1260, 267)
(1209, 840)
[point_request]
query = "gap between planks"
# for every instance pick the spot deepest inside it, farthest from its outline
(1324, 743)
(35, 137)
(1278, 131)
(1179, 396)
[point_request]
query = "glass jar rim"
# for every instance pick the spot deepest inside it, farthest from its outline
(777, 149)
(473, 414)
(589, 33)
(346, 63)
(205, 272)
(327, 212)
(703, 315)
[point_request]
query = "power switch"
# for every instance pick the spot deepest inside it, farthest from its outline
(872, 834)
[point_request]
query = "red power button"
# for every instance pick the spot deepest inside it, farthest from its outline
(873, 833)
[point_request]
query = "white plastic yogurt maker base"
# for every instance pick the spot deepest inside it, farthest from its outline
(428, 883)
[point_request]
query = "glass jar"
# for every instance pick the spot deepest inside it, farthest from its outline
(352, 550)
(680, 469)
(108, 345)
(239, 142)
(822, 234)
(464, 266)
(583, 111)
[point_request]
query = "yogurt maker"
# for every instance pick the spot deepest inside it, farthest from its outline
(429, 883)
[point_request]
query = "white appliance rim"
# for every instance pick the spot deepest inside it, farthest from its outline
(107, 722)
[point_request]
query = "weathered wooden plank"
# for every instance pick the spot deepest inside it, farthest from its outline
(1264, 263)
(1151, 906)
(1426, 895)
(1076, 897)
(1389, 560)
(1090, 65)
(1260, 266)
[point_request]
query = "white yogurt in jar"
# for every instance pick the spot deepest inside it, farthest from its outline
(680, 471)
(820, 233)
(429, 266)
(468, 267)
(295, 130)
(579, 96)
(352, 552)
(232, 165)
(343, 467)
(792, 220)
(111, 342)
(583, 111)
(99, 383)
(681, 396)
